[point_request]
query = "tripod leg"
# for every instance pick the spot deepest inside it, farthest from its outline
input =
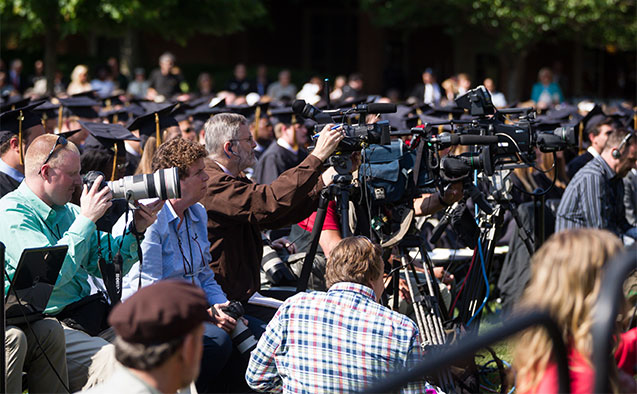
(316, 233)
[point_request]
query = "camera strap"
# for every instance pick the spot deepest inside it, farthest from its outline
(417, 163)
(111, 272)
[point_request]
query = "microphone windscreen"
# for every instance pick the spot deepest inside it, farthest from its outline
(298, 105)
(381, 108)
(468, 139)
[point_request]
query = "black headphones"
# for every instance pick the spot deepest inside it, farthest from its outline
(617, 152)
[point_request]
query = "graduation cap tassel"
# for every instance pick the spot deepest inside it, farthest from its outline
(635, 119)
(60, 119)
(295, 144)
(20, 119)
(257, 118)
(157, 132)
(581, 137)
(114, 162)
(115, 118)
(419, 112)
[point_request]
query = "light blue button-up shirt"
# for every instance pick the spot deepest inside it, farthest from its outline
(27, 222)
(12, 172)
(163, 259)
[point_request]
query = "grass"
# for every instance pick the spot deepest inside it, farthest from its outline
(503, 350)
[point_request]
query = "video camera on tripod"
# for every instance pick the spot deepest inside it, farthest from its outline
(357, 136)
(503, 141)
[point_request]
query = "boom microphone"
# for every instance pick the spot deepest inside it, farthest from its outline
(448, 139)
(377, 108)
(309, 111)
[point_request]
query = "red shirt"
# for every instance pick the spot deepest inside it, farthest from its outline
(331, 219)
(581, 372)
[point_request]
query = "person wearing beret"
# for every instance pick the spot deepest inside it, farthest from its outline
(158, 339)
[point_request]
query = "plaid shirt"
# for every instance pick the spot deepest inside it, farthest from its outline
(339, 341)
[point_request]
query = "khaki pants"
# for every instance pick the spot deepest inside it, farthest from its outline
(24, 354)
(91, 360)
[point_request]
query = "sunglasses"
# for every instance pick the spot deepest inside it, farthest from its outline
(60, 141)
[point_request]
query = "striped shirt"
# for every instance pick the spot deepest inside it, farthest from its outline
(593, 199)
(339, 341)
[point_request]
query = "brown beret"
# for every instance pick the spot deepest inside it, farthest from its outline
(158, 313)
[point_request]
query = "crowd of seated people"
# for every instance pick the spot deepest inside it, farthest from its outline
(168, 295)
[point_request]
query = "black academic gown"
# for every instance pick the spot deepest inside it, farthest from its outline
(580, 161)
(274, 161)
(7, 184)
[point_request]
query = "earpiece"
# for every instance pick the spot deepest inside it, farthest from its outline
(617, 152)
(231, 152)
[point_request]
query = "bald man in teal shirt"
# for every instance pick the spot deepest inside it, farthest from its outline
(39, 214)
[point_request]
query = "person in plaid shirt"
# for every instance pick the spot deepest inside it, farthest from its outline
(341, 340)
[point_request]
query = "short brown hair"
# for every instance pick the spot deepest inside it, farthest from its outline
(615, 139)
(354, 259)
(180, 153)
(4, 147)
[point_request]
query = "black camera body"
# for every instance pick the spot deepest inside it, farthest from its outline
(242, 337)
(516, 141)
(359, 136)
(112, 214)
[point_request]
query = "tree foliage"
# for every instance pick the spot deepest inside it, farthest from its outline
(175, 20)
(513, 26)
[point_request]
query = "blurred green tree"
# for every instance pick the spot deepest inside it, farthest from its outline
(515, 27)
(176, 20)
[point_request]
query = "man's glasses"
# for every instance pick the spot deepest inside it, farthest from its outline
(249, 139)
(60, 141)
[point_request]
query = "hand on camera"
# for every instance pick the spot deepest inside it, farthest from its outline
(453, 193)
(222, 320)
(284, 243)
(145, 215)
(328, 141)
(95, 202)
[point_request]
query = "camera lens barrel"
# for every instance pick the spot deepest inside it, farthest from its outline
(242, 336)
(163, 184)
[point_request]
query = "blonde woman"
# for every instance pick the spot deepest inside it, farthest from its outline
(565, 281)
(79, 80)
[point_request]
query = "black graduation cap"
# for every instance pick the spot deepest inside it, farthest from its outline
(116, 115)
(48, 110)
(15, 121)
(197, 125)
(106, 135)
(284, 115)
(413, 121)
(80, 106)
(204, 111)
(350, 102)
(92, 94)
(135, 110)
(448, 112)
(625, 116)
(250, 111)
(111, 101)
(154, 122)
(13, 102)
(397, 119)
(69, 133)
(151, 106)
(547, 123)
(564, 112)
(593, 118)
